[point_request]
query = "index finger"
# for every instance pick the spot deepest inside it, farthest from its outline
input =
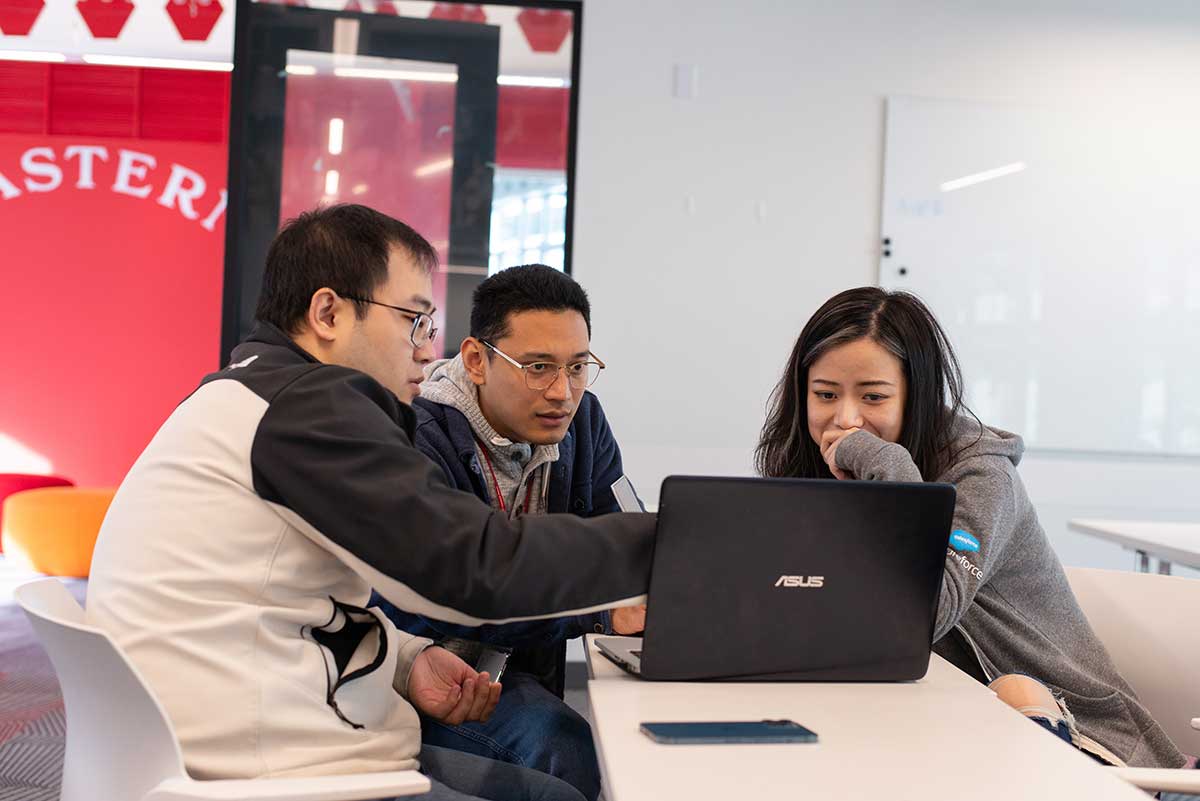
(482, 695)
(493, 699)
(460, 711)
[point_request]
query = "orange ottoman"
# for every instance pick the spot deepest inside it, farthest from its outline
(19, 482)
(53, 530)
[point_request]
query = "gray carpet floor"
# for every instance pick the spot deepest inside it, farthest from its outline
(32, 725)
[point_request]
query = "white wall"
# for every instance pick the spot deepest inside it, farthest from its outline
(698, 297)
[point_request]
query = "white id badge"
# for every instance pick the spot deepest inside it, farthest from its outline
(626, 495)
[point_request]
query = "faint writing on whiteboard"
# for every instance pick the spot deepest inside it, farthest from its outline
(928, 207)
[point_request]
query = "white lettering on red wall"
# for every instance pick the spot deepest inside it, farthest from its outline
(95, 168)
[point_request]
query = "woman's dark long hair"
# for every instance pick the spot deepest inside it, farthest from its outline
(905, 327)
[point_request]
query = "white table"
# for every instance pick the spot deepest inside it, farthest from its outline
(1167, 542)
(944, 737)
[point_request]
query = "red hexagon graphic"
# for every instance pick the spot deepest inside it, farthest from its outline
(194, 19)
(458, 12)
(17, 16)
(545, 30)
(105, 18)
(353, 5)
(386, 7)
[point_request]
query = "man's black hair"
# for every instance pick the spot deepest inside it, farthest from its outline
(532, 287)
(344, 247)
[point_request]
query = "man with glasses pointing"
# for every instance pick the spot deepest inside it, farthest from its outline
(236, 562)
(510, 419)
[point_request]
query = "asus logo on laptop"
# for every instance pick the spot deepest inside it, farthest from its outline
(801, 581)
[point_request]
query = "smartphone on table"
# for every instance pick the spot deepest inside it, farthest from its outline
(712, 732)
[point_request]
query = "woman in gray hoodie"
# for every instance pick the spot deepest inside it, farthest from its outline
(873, 391)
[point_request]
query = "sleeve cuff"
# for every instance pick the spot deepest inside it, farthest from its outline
(852, 449)
(869, 458)
(405, 660)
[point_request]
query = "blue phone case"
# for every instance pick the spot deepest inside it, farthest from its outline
(758, 731)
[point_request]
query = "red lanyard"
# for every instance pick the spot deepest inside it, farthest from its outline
(496, 484)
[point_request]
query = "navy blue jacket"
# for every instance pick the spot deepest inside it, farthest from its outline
(589, 461)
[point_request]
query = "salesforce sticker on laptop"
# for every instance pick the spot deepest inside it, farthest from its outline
(962, 541)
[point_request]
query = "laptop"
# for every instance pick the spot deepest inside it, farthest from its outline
(774, 579)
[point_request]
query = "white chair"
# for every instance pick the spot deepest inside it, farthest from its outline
(1148, 624)
(120, 744)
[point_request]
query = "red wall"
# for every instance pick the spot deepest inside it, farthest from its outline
(114, 301)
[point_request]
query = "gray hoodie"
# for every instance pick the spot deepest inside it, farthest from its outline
(516, 466)
(1005, 595)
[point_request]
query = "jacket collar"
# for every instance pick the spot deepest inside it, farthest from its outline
(271, 334)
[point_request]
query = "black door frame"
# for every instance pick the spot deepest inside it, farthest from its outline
(246, 240)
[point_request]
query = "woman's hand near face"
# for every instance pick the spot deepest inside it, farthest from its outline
(829, 443)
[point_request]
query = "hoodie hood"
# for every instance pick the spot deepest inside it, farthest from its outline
(447, 383)
(972, 438)
(514, 463)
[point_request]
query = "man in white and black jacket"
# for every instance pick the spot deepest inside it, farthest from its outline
(239, 553)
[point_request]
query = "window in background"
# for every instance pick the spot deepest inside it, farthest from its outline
(529, 219)
(375, 131)
(478, 158)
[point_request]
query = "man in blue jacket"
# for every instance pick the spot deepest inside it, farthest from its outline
(509, 419)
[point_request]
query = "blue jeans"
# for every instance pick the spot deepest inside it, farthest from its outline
(455, 776)
(1058, 728)
(530, 727)
(465, 777)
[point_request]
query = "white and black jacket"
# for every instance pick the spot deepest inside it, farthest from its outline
(241, 548)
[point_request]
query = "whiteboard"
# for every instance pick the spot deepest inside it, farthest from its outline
(1061, 252)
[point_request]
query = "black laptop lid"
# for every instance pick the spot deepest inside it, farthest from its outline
(794, 579)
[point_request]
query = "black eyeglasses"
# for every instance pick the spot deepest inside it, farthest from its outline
(422, 329)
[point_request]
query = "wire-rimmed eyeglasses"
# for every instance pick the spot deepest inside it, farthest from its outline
(540, 376)
(422, 328)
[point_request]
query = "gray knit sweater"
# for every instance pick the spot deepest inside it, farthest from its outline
(1004, 591)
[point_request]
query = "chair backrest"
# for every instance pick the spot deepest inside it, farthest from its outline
(120, 744)
(1148, 623)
